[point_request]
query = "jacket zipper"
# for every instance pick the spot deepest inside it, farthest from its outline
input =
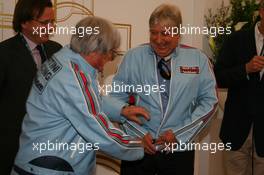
(164, 116)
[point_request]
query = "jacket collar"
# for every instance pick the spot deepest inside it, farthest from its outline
(82, 62)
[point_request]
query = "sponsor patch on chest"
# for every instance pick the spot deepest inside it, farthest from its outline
(189, 70)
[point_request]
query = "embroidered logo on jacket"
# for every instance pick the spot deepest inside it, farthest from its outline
(189, 70)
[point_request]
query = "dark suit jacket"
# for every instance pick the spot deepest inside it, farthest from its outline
(245, 102)
(17, 70)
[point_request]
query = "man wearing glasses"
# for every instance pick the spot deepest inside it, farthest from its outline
(178, 114)
(21, 56)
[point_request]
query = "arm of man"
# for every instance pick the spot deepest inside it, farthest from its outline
(204, 106)
(118, 107)
(112, 107)
(228, 70)
(3, 67)
(82, 109)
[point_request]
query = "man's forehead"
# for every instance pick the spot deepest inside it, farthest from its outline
(160, 28)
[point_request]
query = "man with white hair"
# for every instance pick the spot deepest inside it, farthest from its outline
(65, 124)
(181, 101)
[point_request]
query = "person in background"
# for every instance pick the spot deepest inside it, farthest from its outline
(64, 109)
(21, 56)
(181, 100)
(240, 68)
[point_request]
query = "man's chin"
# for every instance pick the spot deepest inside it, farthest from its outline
(45, 38)
(162, 54)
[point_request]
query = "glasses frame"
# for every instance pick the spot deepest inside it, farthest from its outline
(45, 22)
(115, 53)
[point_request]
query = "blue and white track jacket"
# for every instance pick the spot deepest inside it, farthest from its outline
(192, 97)
(64, 124)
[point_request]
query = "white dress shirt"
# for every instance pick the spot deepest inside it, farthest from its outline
(34, 51)
(259, 43)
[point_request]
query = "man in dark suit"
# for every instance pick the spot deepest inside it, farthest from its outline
(240, 68)
(21, 56)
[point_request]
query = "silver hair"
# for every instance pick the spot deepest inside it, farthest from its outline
(166, 14)
(99, 36)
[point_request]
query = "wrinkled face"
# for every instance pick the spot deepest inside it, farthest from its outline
(161, 41)
(37, 29)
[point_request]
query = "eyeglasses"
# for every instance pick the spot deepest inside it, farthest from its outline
(115, 53)
(165, 72)
(45, 22)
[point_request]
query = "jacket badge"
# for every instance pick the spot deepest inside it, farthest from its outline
(189, 70)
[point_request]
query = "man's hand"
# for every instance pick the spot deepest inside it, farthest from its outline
(147, 142)
(255, 64)
(132, 113)
(167, 137)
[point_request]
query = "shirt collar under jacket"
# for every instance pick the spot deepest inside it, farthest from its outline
(259, 43)
(258, 38)
(83, 63)
(30, 43)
